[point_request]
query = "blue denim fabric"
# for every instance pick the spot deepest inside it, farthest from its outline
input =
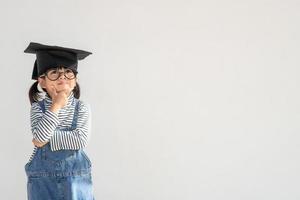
(59, 175)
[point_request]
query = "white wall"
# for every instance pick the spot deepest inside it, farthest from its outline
(190, 99)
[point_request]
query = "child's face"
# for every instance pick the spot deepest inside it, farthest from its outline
(66, 80)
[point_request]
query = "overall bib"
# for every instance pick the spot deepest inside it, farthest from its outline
(59, 175)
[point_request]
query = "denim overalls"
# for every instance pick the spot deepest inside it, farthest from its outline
(59, 175)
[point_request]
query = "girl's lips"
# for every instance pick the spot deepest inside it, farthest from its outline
(61, 83)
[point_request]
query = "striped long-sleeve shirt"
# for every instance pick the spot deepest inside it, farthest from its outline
(45, 127)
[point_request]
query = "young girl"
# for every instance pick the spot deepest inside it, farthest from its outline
(60, 124)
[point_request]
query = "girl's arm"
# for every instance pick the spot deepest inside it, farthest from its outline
(77, 138)
(42, 124)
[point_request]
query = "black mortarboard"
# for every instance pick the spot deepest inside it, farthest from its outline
(54, 56)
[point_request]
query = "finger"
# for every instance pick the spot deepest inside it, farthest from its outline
(53, 90)
(35, 143)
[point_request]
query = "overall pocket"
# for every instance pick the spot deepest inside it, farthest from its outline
(32, 158)
(59, 155)
(86, 158)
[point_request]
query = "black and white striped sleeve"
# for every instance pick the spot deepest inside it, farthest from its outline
(77, 138)
(42, 124)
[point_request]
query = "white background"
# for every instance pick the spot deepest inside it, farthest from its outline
(190, 99)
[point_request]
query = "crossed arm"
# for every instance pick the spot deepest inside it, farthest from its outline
(44, 127)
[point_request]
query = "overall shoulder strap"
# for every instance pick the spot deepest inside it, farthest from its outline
(75, 117)
(42, 105)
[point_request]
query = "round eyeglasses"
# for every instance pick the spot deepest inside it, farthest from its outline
(54, 73)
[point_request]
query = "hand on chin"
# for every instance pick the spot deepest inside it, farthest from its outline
(63, 88)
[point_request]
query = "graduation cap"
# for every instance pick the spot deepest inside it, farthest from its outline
(48, 57)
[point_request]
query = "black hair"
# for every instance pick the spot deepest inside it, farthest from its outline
(35, 95)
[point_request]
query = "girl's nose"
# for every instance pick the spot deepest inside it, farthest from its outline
(62, 75)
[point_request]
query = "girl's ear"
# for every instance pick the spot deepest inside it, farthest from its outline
(41, 82)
